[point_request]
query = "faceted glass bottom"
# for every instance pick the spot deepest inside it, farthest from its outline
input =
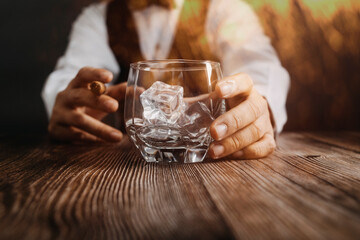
(169, 145)
(180, 155)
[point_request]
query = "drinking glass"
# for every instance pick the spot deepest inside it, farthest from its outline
(169, 107)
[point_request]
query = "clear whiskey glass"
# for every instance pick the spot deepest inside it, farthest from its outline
(169, 107)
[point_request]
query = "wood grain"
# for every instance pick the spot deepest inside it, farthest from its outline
(309, 188)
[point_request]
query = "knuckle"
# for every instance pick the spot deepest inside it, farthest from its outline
(254, 108)
(76, 98)
(259, 103)
(57, 114)
(250, 152)
(236, 142)
(78, 119)
(83, 71)
(272, 145)
(257, 130)
(262, 101)
(258, 151)
(255, 151)
(236, 120)
(248, 80)
(267, 114)
(264, 104)
(60, 96)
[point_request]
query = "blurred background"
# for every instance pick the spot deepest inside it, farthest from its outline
(318, 42)
(34, 35)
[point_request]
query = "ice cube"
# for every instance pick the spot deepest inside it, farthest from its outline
(163, 104)
(197, 120)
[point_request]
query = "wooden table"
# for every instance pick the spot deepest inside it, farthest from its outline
(309, 188)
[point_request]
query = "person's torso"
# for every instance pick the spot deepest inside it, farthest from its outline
(189, 41)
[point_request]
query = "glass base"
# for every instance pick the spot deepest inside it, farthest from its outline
(180, 155)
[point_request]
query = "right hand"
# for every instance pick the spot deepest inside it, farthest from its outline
(77, 112)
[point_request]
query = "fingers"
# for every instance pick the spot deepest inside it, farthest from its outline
(91, 125)
(80, 97)
(88, 74)
(202, 97)
(118, 91)
(70, 120)
(245, 130)
(239, 117)
(97, 114)
(65, 116)
(240, 84)
(241, 138)
(132, 91)
(66, 133)
(262, 148)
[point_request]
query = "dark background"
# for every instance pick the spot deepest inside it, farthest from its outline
(33, 35)
(321, 53)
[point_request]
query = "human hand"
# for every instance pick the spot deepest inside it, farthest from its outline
(245, 131)
(77, 112)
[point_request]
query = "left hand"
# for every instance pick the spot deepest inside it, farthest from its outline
(245, 131)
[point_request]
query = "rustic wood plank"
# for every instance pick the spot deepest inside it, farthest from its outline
(102, 192)
(346, 140)
(310, 188)
(335, 165)
(302, 191)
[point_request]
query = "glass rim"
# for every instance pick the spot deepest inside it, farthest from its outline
(146, 65)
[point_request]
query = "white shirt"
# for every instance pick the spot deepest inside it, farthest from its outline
(234, 32)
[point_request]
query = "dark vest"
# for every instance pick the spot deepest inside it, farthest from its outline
(190, 40)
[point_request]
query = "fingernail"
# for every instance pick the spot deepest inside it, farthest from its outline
(221, 130)
(116, 136)
(110, 104)
(218, 150)
(106, 75)
(226, 88)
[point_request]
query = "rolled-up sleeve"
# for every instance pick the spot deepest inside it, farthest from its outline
(88, 46)
(237, 38)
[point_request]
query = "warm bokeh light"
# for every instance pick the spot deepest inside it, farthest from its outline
(318, 43)
(319, 8)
